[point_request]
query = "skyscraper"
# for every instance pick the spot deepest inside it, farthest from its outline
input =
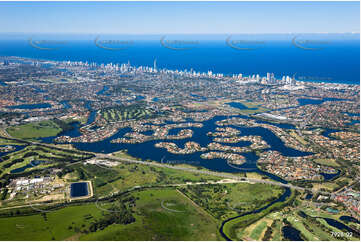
(273, 79)
(155, 65)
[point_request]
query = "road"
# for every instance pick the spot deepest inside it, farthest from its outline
(205, 172)
(224, 181)
(52, 146)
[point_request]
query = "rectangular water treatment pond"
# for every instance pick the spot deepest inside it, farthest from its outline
(79, 189)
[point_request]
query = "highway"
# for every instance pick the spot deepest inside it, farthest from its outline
(206, 172)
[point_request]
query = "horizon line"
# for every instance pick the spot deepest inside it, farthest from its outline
(181, 33)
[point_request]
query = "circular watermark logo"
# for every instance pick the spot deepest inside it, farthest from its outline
(46, 44)
(113, 44)
(178, 44)
(104, 163)
(101, 207)
(309, 43)
(244, 43)
(314, 78)
(167, 206)
(234, 208)
(241, 168)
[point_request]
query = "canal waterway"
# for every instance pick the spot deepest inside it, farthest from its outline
(30, 106)
(147, 150)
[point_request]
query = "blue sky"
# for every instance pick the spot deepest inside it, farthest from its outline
(179, 17)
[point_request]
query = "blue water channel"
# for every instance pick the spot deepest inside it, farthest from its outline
(17, 148)
(240, 106)
(306, 101)
(147, 150)
(30, 106)
(349, 219)
(102, 92)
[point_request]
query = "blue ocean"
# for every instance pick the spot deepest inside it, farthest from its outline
(332, 59)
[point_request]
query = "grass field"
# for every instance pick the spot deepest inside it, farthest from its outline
(334, 185)
(35, 130)
(327, 162)
(298, 138)
(257, 231)
(153, 222)
(126, 176)
(253, 107)
(227, 200)
(52, 226)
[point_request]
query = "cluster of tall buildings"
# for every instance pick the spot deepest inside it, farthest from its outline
(289, 80)
(268, 79)
(127, 68)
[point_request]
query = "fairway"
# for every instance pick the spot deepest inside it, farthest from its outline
(122, 113)
(251, 107)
